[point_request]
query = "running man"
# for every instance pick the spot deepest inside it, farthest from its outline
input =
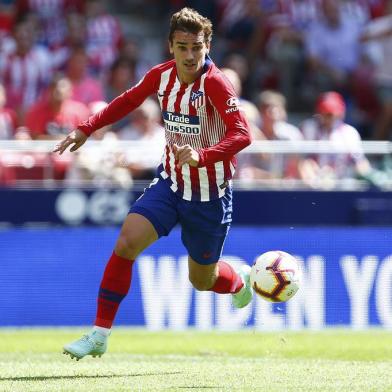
(204, 129)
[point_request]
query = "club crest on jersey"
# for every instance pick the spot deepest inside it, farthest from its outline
(197, 99)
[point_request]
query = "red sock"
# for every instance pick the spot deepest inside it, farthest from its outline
(114, 287)
(228, 280)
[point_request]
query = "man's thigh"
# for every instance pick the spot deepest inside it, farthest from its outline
(204, 228)
(159, 205)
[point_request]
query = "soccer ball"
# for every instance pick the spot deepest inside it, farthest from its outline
(275, 276)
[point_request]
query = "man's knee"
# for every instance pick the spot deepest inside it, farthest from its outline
(136, 234)
(127, 246)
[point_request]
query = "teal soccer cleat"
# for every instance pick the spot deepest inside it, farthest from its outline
(94, 344)
(245, 295)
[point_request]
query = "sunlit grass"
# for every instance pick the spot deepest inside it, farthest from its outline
(334, 360)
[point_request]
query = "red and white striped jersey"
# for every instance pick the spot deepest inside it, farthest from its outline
(25, 77)
(301, 13)
(104, 37)
(51, 18)
(205, 115)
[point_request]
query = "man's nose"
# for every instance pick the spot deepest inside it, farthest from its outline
(189, 54)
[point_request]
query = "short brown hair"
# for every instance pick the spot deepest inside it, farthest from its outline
(190, 21)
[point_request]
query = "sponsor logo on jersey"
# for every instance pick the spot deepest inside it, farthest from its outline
(181, 123)
(233, 103)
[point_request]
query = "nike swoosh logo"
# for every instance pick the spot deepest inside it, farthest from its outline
(161, 95)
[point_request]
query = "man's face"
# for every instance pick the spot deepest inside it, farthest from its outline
(24, 37)
(273, 113)
(189, 51)
(77, 65)
(328, 120)
(61, 90)
(331, 12)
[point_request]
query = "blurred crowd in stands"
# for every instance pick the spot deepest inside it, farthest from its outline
(304, 69)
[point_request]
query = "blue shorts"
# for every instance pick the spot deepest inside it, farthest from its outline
(204, 224)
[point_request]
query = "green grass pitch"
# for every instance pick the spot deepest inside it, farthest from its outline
(137, 360)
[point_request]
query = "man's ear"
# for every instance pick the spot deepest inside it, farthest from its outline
(170, 47)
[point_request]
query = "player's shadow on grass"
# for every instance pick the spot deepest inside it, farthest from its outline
(48, 378)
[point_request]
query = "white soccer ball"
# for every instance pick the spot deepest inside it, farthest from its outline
(275, 276)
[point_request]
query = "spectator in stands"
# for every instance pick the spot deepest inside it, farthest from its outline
(248, 107)
(239, 64)
(145, 126)
(274, 126)
(7, 118)
(332, 48)
(285, 50)
(378, 43)
(322, 170)
(85, 88)
(26, 70)
(75, 38)
(50, 17)
(272, 106)
(104, 36)
(243, 24)
(100, 165)
(130, 51)
(120, 77)
(56, 113)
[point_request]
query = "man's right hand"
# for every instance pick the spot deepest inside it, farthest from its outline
(76, 138)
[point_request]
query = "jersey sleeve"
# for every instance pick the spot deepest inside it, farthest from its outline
(223, 98)
(123, 104)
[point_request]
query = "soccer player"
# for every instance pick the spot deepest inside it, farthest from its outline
(204, 129)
